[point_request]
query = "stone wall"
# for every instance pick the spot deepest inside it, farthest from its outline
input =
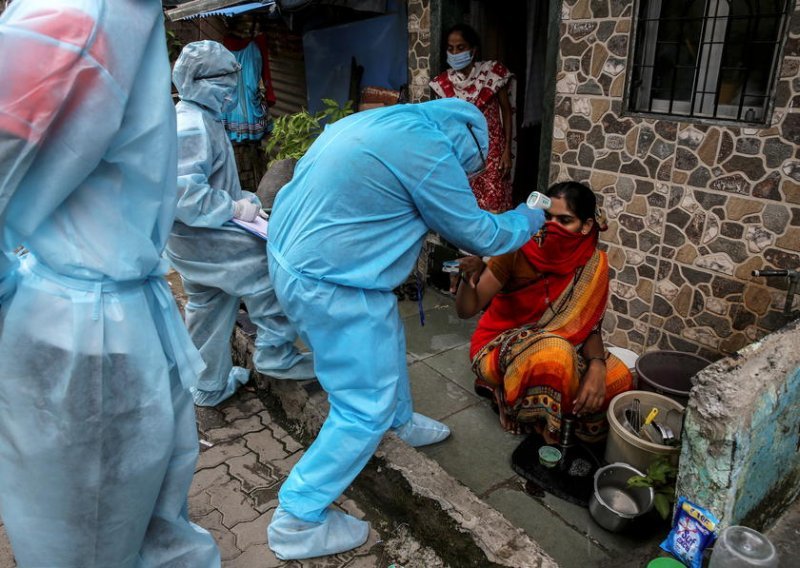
(741, 435)
(419, 49)
(693, 207)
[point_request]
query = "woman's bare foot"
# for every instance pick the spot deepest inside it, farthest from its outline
(506, 422)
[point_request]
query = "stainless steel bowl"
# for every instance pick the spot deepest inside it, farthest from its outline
(613, 504)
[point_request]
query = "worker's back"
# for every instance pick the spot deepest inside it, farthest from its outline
(366, 193)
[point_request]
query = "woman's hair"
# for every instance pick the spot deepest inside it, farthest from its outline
(469, 35)
(580, 199)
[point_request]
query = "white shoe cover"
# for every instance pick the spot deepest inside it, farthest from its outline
(237, 377)
(422, 431)
(293, 539)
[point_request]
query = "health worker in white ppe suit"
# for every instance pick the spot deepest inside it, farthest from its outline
(98, 442)
(343, 234)
(220, 263)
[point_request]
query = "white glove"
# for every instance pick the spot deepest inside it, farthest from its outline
(245, 210)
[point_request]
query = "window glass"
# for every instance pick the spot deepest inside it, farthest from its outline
(707, 58)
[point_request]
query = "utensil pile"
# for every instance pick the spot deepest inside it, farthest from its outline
(649, 430)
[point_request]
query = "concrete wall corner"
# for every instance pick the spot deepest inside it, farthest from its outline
(741, 438)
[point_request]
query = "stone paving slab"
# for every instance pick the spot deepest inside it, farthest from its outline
(244, 458)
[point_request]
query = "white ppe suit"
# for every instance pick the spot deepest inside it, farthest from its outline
(221, 264)
(98, 442)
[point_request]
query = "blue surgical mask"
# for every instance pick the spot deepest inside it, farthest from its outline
(459, 60)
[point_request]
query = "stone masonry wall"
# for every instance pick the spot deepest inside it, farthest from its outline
(693, 208)
(419, 48)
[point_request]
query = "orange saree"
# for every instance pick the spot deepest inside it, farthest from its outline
(528, 341)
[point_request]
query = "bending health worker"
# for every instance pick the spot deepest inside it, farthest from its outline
(344, 233)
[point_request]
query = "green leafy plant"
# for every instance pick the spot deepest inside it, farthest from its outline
(174, 45)
(293, 134)
(661, 475)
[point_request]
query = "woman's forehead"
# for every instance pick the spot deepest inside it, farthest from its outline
(560, 207)
(456, 37)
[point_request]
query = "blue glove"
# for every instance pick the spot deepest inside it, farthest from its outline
(535, 217)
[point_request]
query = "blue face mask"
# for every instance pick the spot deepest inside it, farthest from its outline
(459, 60)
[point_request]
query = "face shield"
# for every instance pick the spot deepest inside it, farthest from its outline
(227, 81)
(207, 74)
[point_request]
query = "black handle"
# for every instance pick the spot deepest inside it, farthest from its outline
(770, 272)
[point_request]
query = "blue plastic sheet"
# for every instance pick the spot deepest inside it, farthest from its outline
(379, 44)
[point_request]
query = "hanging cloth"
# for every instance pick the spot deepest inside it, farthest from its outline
(250, 119)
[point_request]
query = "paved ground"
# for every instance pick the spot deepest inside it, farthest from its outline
(244, 458)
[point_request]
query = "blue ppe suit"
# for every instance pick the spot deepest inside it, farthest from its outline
(343, 234)
(221, 264)
(98, 442)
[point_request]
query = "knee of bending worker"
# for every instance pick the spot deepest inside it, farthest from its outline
(372, 418)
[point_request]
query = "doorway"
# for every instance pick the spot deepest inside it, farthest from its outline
(523, 35)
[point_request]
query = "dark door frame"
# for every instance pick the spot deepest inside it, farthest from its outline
(548, 116)
(444, 13)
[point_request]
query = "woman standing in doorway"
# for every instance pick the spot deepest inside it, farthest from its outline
(490, 86)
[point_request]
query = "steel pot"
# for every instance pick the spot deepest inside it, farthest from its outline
(613, 504)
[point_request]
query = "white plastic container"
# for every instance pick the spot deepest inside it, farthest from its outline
(624, 446)
(538, 200)
(741, 547)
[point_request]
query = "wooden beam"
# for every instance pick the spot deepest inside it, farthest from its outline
(198, 7)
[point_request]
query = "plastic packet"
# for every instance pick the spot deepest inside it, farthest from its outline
(451, 267)
(693, 530)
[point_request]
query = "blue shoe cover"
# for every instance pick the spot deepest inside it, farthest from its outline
(422, 431)
(238, 376)
(293, 539)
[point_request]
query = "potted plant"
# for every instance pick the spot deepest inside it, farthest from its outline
(661, 475)
(291, 137)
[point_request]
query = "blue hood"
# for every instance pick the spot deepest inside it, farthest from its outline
(451, 117)
(207, 74)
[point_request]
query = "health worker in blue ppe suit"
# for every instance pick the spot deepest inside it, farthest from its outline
(98, 442)
(220, 263)
(344, 233)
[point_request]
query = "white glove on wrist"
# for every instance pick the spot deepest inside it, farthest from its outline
(245, 210)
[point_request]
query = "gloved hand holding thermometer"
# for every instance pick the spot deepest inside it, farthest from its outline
(533, 209)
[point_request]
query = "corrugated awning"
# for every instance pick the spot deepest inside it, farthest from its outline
(206, 8)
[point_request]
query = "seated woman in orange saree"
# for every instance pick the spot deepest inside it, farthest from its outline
(538, 347)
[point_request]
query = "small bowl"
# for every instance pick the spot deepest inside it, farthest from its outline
(549, 456)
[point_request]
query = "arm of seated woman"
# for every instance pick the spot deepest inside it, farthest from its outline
(592, 392)
(477, 287)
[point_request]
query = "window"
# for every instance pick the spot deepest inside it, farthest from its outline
(707, 58)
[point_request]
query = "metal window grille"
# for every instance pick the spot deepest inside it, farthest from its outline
(713, 59)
